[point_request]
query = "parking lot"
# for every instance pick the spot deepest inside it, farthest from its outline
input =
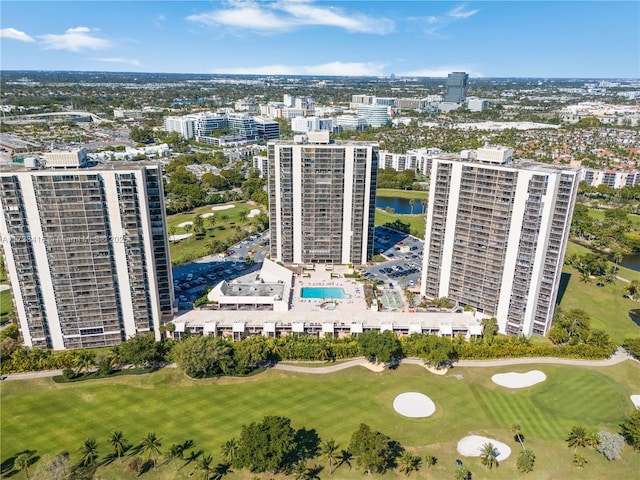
(404, 254)
(190, 280)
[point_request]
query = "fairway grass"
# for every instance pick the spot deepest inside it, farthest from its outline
(607, 306)
(417, 222)
(47, 417)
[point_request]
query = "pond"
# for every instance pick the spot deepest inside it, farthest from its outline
(399, 205)
(632, 262)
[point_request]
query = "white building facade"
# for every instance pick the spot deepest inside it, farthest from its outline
(87, 253)
(322, 200)
(496, 235)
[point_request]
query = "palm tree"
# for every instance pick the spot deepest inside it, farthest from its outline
(577, 437)
(593, 439)
(409, 463)
(632, 289)
(176, 452)
(117, 441)
(229, 450)
(329, 449)
(172, 231)
(204, 465)
(243, 216)
(151, 446)
(424, 205)
(300, 470)
(187, 228)
(88, 452)
(412, 202)
(430, 460)
(61, 459)
(84, 361)
(23, 461)
(517, 433)
(488, 455)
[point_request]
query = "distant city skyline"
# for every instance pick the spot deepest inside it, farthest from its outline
(571, 39)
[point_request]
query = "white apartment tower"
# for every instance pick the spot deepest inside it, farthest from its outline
(496, 235)
(322, 200)
(87, 253)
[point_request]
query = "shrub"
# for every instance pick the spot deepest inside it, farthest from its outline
(610, 445)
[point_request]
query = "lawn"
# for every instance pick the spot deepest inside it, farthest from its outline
(396, 193)
(417, 222)
(6, 305)
(599, 215)
(47, 417)
(606, 305)
(227, 224)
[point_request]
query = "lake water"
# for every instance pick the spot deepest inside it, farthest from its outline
(632, 262)
(399, 205)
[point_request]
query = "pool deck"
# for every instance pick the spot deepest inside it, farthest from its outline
(321, 277)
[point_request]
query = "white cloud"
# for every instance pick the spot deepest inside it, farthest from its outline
(74, 40)
(129, 61)
(440, 72)
(355, 69)
(459, 12)
(13, 34)
(437, 23)
(286, 15)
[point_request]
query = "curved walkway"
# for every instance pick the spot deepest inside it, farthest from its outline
(619, 356)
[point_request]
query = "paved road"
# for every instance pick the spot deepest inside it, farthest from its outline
(618, 357)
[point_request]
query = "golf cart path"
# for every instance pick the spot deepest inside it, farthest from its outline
(618, 357)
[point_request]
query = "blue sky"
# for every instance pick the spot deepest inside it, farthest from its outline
(325, 37)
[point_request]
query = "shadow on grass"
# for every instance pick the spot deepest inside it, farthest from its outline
(562, 288)
(8, 468)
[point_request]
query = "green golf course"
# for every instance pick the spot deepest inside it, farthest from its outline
(45, 417)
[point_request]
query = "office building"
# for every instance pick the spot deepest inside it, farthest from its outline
(496, 235)
(456, 87)
(322, 199)
(86, 251)
(374, 115)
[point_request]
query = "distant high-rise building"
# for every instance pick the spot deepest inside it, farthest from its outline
(496, 235)
(86, 251)
(456, 87)
(374, 115)
(322, 200)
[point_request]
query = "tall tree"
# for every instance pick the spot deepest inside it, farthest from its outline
(229, 451)
(205, 466)
(577, 437)
(329, 450)
(268, 446)
(117, 441)
(488, 455)
(526, 459)
(175, 453)
(408, 463)
(516, 429)
(89, 452)
(630, 429)
(150, 445)
(23, 462)
(373, 451)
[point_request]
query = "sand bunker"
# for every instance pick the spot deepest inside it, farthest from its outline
(175, 238)
(184, 224)
(636, 400)
(471, 446)
(222, 207)
(519, 380)
(253, 213)
(414, 405)
(207, 215)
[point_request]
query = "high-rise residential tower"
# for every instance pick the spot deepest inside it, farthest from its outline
(496, 235)
(456, 87)
(322, 199)
(87, 253)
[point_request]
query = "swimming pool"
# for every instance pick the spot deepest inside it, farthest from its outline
(323, 292)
